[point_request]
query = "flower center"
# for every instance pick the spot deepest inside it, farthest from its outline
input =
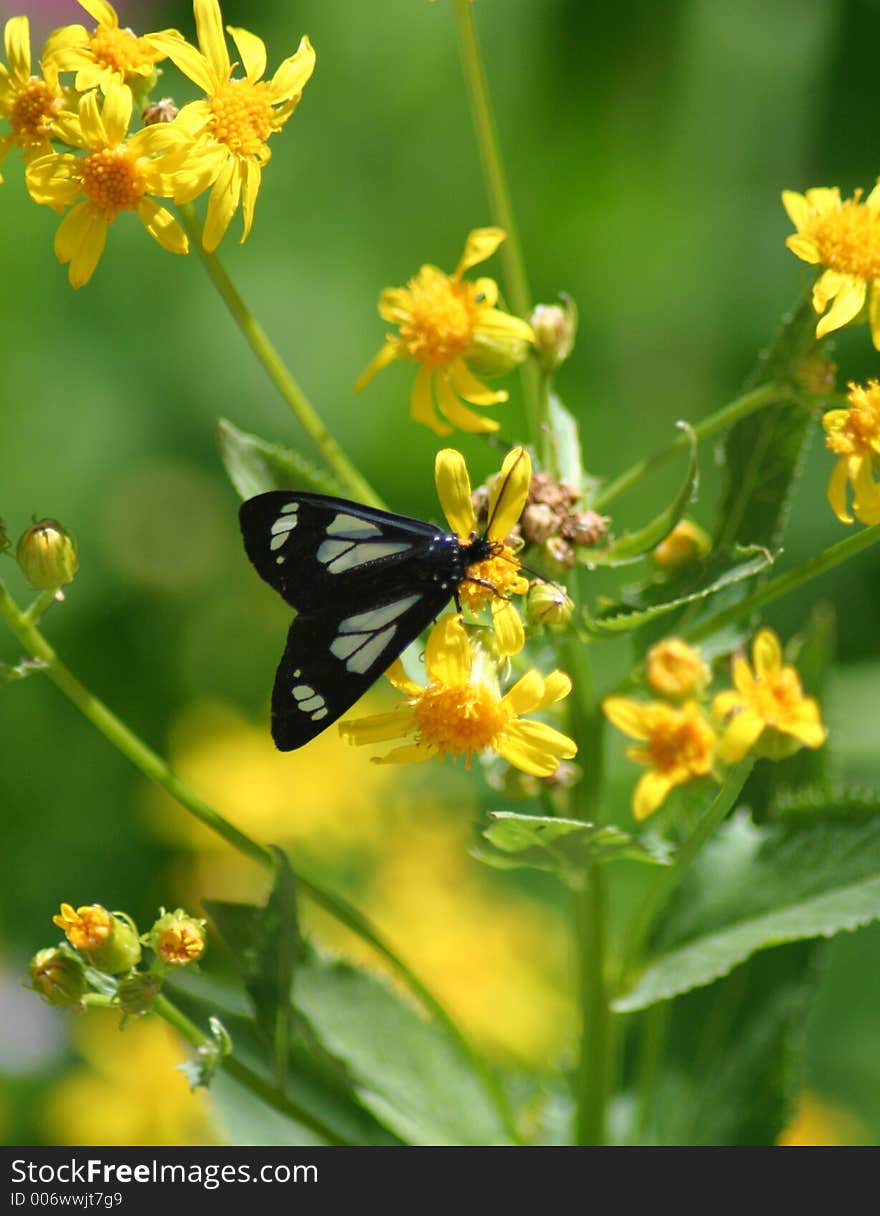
(442, 317)
(460, 718)
(243, 117)
(179, 944)
(122, 51)
(862, 427)
(33, 111)
(501, 571)
(848, 240)
(112, 180)
(88, 928)
(680, 743)
(778, 701)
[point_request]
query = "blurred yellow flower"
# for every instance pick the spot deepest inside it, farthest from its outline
(844, 237)
(85, 928)
(461, 712)
(130, 1090)
(236, 119)
(497, 576)
(115, 176)
(451, 327)
(853, 434)
(680, 746)
(818, 1124)
(768, 711)
(33, 105)
(109, 55)
(685, 544)
(675, 669)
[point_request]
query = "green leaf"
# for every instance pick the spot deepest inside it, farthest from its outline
(623, 618)
(634, 545)
(265, 944)
(566, 847)
(566, 446)
(254, 466)
(756, 887)
(404, 1070)
(763, 454)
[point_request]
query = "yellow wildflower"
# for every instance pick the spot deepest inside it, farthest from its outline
(843, 235)
(449, 326)
(498, 575)
(178, 939)
(854, 435)
(33, 105)
(461, 712)
(685, 544)
(675, 669)
(115, 176)
(108, 55)
(767, 711)
(86, 928)
(680, 746)
(236, 118)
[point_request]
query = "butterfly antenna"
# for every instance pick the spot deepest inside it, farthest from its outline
(500, 495)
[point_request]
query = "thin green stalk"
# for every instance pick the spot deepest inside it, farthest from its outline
(158, 771)
(741, 407)
(245, 1076)
(775, 588)
(500, 205)
(277, 370)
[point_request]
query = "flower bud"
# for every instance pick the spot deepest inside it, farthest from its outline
(548, 604)
(586, 529)
(47, 555)
(677, 670)
(558, 555)
(538, 523)
(685, 545)
(137, 992)
(177, 939)
(163, 110)
(109, 940)
(58, 977)
(492, 355)
(554, 327)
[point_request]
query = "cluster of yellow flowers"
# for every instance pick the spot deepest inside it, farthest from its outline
(462, 710)
(73, 123)
(843, 236)
(765, 713)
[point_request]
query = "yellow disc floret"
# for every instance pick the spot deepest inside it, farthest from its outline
(460, 719)
(85, 928)
(112, 180)
(848, 240)
(439, 317)
(243, 118)
(123, 52)
(35, 107)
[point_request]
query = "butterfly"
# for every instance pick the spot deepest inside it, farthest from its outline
(364, 583)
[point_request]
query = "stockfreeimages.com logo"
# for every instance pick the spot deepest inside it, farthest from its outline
(96, 1172)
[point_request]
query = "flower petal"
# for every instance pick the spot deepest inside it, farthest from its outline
(650, 792)
(188, 60)
(847, 304)
(387, 354)
(396, 673)
(807, 250)
(826, 288)
(481, 244)
(454, 491)
(823, 199)
(250, 188)
(509, 493)
(557, 686)
(252, 51)
(94, 132)
(294, 73)
(797, 207)
(409, 753)
(80, 240)
(741, 735)
(116, 113)
(49, 180)
(103, 12)
(222, 204)
(767, 655)
(508, 627)
(162, 226)
(626, 715)
(743, 679)
(535, 747)
(874, 313)
(526, 694)
(837, 484)
(421, 402)
(378, 728)
(468, 386)
(17, 37)
(448, 655)
(458, 414)
(212, 44)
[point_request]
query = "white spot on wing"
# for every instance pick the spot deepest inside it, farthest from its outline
(367, 622)
(352, 527)
(342, 647)
(365, 657)
(290, 508)
(303, 691)
(319, 714)
(341, 555)
(313, 703)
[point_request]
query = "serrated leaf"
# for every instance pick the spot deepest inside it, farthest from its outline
(404, 1069)
(567, 847)
(625, 618)
(634, 545)
(253, 465)
(815, 801)
(757, 887)
(265, 944)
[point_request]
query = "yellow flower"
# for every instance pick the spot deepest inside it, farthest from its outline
(33, 105)
(115, 176)
(680, 746)
(854, 435)
(449, 326)
(178, 939)
(86, 928)
(844, 237)
(236, 118)
(108, 55)
(685, 544)
(498, 575)
(768, 710)
(461, 712)
(675, 669)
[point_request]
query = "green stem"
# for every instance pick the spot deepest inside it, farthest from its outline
(277, 371)
(158, 771)
(741, 407)
(41, 606)
(245, 1076)
(515, 276)
(775, 588)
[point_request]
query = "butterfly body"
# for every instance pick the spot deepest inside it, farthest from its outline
(364, 584)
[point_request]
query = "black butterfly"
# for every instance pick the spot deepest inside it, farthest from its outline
(364, 582)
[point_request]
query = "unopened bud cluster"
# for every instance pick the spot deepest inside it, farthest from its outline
(103, 952)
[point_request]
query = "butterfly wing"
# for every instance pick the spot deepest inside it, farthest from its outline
(365, 584)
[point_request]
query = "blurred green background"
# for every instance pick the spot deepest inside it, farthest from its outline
(647, 145)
